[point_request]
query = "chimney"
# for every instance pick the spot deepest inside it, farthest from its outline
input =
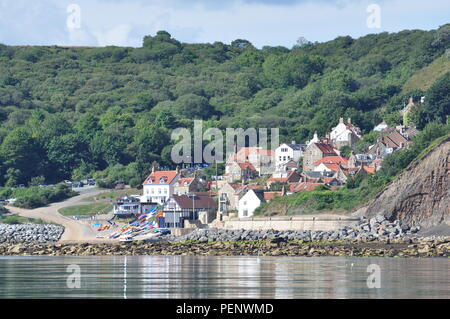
(411, 100)
(177, 169)
(293, 142)
(341, 120)
(349, 120)
(153, 169)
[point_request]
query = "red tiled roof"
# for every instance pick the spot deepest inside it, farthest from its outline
(331, 160)
(160, 177)
(332, 167)
(326, 149)
(247, 165)
(184, 181)
(244, 152)
(283, 179)
(303, 187)
(255, 186)
(271, 195)
(370, 170)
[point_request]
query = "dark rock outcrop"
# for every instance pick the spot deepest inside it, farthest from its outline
(420, 195)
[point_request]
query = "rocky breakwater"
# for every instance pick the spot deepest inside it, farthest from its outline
(30, 233)
(399, 247)
(376, 228)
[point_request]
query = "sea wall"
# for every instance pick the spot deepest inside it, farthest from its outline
(325, 222)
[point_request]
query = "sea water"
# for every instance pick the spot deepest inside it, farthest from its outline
(223, 277)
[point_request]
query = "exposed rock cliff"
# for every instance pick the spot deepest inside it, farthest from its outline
(421, 194)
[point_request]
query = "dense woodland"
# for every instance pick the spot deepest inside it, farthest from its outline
(108, 112)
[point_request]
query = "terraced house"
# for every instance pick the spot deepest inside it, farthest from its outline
(159, 186)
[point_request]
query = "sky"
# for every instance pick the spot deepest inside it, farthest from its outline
(262, 22)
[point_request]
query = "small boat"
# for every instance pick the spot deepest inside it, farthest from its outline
(126, 239)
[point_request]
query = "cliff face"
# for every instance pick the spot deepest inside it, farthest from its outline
(420, 195)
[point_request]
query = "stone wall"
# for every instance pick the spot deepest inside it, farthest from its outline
(323, 222)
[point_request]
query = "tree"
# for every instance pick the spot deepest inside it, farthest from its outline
(437, 102)
(21, 155)
(193, 106)
(241, 44)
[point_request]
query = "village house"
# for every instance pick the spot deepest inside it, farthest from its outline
(345, 134)
(159, 186)
(406, 111)
(262, 160)
(389, 143)
(288, 152)
(315, 152)
(252, 199)
(383, 127)
(240, 171)
(127, 206)
(229, 195)
(186, 185)
(250, 202)
(283, 177)
(290, 166)
(180, 210)
(317, 139)
(356, 160)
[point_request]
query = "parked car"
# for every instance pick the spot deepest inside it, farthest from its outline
(164, 231)
(91, 181)
(77, 185)
(21, 186)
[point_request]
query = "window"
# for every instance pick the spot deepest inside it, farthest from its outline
(245, 203)
(245, 212)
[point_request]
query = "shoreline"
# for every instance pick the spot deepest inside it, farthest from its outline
(405, 247)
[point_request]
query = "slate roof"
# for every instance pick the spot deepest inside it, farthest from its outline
(195, 201)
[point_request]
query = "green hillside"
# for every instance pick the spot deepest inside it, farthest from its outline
(71, 112)
(424, 78)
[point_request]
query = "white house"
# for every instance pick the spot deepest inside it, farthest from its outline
(345, 134)
(249, 202)
(381, 127)
(287, 152)
(159, 186)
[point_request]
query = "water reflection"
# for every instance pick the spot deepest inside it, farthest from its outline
(223, 277)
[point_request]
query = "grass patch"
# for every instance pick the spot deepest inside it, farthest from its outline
(86, 210)
(13, 219)
(424, 78)
(110, 196)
